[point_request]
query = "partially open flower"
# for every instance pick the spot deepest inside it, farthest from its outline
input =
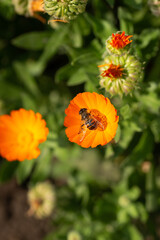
(118, 43)
(120, 74)
(41, 199)
(64, 10)
(91, 120)
(20, 134)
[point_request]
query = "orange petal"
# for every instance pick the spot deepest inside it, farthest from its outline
(80, 101)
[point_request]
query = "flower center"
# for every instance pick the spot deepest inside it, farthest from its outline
(25, 138)
(114, 71)
(99, 119)
(120, 40)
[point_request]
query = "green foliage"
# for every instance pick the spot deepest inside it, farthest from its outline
(102, 193)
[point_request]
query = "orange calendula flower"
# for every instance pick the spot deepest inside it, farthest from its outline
(118, 43)
(91, 120)
(20, 134)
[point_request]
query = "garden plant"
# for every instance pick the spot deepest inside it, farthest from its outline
(80, 118)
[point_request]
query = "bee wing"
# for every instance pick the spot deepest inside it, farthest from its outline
(98, 122)
(82, 132)
(83, 135)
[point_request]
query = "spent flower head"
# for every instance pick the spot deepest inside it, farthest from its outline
(41, 199)
(119, 74)
(155, 7)
(118, 43)
(73, 235)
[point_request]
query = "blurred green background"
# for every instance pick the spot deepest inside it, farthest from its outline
(107, 193)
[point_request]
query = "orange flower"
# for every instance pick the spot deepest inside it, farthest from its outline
(113, 71)
(20, 134)
(118, 43)
(120, 40)
(91, 120)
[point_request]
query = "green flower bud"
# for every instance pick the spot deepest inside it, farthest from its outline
(118, 43)
(64, 10)
(120, 74)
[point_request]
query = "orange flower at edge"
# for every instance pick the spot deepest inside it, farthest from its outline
(76, 129)
(120, 40)
(20, 134)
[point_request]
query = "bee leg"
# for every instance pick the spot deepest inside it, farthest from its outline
(81, 128)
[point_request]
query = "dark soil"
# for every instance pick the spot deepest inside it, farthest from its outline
(15, 224)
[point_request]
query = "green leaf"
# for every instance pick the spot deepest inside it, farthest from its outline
(64, 73)
(78, 77)
(142, 150)
(118, 134)
(111, 3)
(101, 28)
(134, 3)
(148, 42)
(6, 9)
(7, 170)
(134, 233)
(134, 193)
(24, 169)
(11, 92)
(32, 41)
(43, 166)
(147, 35)
(26, 78)
(53, 44)
(126, 112)
(28, 102)
(126, 20)
(150, 101)
(155, 128)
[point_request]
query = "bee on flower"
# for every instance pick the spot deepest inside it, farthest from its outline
(91, 120)
(118, 43)
(20, 134)
(120, 74)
